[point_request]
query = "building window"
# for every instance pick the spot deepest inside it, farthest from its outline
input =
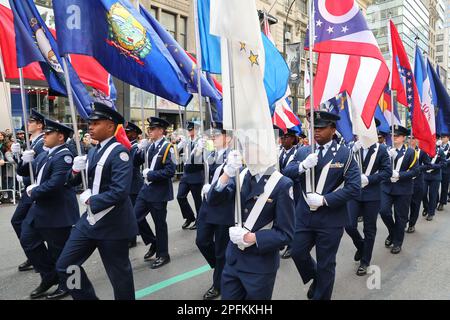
(288, 33)
(168, 20)
(439, 48)
(440, 59)
(183, 33)
(440, 37)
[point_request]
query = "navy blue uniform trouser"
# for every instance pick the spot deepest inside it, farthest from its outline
(431, 196)
(114, 255)
(419, 191)
(158, 210)
(20, 213)
(396, 228)
(369, 211)
(212, 241)
(183, 191)
(444, 188)
(239, 285)
(326, 241)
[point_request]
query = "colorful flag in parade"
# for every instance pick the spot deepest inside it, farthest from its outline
(441, 100)
(404, 83)
(253, 126)
(123, 42)
(349, 57)
(384, 124)
(424, 88)
(35, 42)
(385, 105)
(339, 105)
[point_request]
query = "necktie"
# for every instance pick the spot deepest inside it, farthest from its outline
(321, 148)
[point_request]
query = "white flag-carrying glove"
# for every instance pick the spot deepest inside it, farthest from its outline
(309, 162)
(205, 189)
(438, 143)
(84, 197)
(182, 142)
(364, 181)
(356, 146)
(79, 163)
(395, 176)
(30, 189)
(145, 173)
(314, 201)
(143, 144)
(19, 178)
(16, 148)
(234, 163)
(393, 153)
(237, 237)
(28, 156)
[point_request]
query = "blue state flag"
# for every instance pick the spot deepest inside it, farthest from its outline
(216, 104)
(34, 42)
(123, 42)
(441, 99)
(384, 124)
(210, 45)
(339, 105)
(183, 61)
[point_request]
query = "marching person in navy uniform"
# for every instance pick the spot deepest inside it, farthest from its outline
(36, 124)
(133, 131)
(445, 171)
(193, 176)
(109, 222)
(267, 208)
(321, 216)
(432, 179)
(156, 191)
(288, 149)
(213, 222)
(398, 190)
(54, 209)
(376, 168)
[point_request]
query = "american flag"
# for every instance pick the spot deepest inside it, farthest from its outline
(349, 57)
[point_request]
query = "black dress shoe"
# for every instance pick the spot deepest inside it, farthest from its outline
(362, 270)
(388, 242)
(358, 255)
(57, 294)
(429, 218)
(186, 224)
(411, 229)
(440, 207)
(286, 254)
(194, 226)
(150, 253)
(424, 213)
(25, 266)
(396, 250)
(159, 262)
(42, 289)
(211, 294)
(311, 290)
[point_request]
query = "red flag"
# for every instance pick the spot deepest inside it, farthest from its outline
(121, 137)
(404, 83)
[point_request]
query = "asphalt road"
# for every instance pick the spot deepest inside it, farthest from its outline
(420, 271)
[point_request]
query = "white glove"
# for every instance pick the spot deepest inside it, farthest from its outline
(438, 143)
(364, 181)
(143, 144)
(84, 197)
(16, 148)
(205, 189)
(79, 163)
(395, 176)
(30, 189)
(28, 156)
(314, 200)
(91, 219)
(19, 178)
(357, 145)
(145, 172)
(393, 153)
(310, 161)
(201, 143)
(237, 237)
(234, 163)
(182, 142)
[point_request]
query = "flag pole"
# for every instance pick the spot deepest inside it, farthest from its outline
(25, 120)
(311, 86)
(390, 83)
(199, 83)
(7, 95)
(238, 213)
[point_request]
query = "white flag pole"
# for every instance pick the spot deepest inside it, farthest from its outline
(311, 86)
(390, 83)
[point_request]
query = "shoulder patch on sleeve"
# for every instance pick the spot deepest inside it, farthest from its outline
(68, 159)
(124, 156)
(291, 193)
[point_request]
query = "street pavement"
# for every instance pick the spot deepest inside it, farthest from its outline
(420, 271)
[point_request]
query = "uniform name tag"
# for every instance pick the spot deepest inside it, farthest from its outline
(336, 165)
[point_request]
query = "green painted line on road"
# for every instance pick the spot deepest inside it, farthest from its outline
(166, 283)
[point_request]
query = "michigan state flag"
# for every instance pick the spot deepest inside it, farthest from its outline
(123, 42)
